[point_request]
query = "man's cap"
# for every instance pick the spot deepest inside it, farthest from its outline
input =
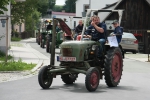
(115, 22)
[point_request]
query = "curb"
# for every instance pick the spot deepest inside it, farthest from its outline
(40, 63)
(39, 55)
(135, 59)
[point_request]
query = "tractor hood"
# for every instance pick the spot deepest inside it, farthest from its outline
(75, 49)
(76, 44)
(64, 26)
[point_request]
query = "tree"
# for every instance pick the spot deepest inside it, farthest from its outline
(70, 6)
(57, 8)
(3, 4)
(52, 4)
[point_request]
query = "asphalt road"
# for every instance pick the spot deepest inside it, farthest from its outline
(134, 85)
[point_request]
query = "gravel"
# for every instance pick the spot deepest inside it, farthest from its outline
(13, 75)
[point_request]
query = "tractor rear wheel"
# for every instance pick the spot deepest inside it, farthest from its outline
(113, 67)
(38, 42)
(45, 79)
(43, 44)
(69, 78)
(50, 45)
(47, 46)
(92, 79)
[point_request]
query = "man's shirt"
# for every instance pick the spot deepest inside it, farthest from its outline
(79, 28)
(119, 31)
(95, 34)
(49, 27)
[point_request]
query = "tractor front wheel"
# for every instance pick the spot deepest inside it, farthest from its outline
(45, 78)
(113, 67)
(69, 78)
(92, 79)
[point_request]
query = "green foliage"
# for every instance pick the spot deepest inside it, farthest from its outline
(52, 4)
(32, 21)
(3, 4)
(30, 12)
(15, 39)
(16, 66)
(58, 8)
(2, 56)
(70, 6)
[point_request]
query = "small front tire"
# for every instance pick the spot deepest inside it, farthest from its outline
(45, 78)
(92, 79)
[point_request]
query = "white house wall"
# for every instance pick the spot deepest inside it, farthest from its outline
(79, 6)
(3, 31)
(95, 4)
(69, 22)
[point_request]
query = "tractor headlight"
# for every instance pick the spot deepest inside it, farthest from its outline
(94, 47)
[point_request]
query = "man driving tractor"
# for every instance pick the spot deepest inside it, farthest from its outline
(96, 31)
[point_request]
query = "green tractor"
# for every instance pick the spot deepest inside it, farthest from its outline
(43, 39)
(59, 40)
(48, 40)
(81, 57)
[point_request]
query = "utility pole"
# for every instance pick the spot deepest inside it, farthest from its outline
(6, 39)
(89, 4)
(148, 31)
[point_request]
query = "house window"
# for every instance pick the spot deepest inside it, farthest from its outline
(85, 7)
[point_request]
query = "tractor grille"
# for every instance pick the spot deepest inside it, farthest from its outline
(67, 52)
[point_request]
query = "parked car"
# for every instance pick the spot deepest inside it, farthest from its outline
(129, 43)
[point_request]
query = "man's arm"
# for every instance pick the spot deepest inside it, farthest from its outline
(98, 28)
(118, 31)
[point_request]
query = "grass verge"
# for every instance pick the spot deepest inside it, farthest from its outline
(16, 44)
(2, 56)
(15, 39)
(16, 66)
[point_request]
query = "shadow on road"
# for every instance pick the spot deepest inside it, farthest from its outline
(80, 88)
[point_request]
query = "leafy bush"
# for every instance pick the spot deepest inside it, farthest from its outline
(16, 66)
(2, 56)
(15, 39)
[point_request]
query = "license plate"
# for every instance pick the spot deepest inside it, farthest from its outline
(59, 58)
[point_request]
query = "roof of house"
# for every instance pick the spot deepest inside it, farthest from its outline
(110, 5)
(116, 5)
(64, 13)
(148, 1)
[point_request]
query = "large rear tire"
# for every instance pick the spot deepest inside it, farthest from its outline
(50, 45)
(92, 79)
(69, 78)
(113, 67)
(38, 42)
(43, 45)
(45, 79)
(47, 46)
